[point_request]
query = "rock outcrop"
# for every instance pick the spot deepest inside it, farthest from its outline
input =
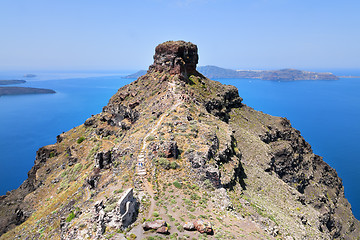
(175, 57)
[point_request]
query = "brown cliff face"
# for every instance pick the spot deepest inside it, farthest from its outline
(190, 149)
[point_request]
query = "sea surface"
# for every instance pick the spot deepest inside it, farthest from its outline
(326, 112)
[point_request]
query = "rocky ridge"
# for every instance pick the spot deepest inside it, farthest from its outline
(203, 154)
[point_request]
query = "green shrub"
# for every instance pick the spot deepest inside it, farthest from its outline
(150, 138)
(177, 184)
(155, 214)
(174, 165)
(161, 154)
(194, 196)
(77, 167)
(208, 184)
(187, 201)
(110, 207)
(118, 191)
(132, 236)
(163, 162)
(70, 217)
(93, 151)
(80, 139)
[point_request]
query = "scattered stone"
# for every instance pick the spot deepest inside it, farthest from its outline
(221, 199)
(89, 122)
(163, 230)
(154, 225)
(189, 226)
(72, 161)
(203, 226)
(133, 104)
(59, 138)
(303, 219)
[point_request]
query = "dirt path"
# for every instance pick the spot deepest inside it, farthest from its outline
(140, 165)
(141, 160)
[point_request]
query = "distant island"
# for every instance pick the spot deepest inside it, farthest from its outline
(23, 90)
(349, 76)
(136, 75)
(29, 75)
(272, 75)
(11, 82)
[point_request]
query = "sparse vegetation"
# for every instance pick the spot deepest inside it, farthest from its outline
(177, 184)
(80, 139)
(150, 138)
(70, 217)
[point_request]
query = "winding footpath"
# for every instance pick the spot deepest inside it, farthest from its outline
(140, 165)
(141, 161)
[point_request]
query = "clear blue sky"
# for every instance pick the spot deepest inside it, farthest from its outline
(122, 35)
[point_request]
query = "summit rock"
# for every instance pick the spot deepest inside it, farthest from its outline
(175, 57)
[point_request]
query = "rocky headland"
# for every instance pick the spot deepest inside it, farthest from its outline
(11, 82)
(23, 90)
(20, 90)
(177, 155)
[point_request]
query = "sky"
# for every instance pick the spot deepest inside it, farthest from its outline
(121, 35)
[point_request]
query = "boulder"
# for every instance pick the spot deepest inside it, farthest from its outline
(163, 230)
(203, 226)
(89, 122)
(189, 226)
(154, 224)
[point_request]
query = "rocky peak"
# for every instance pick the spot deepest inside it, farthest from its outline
(175, 57)
(194, 147)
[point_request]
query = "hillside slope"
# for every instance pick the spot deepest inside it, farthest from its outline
(176, 146)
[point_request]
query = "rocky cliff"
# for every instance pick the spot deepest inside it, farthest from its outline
(176, 153)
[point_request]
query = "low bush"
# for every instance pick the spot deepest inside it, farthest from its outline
(80, 139)
(70, 217)
(150, 138)
(177, 184)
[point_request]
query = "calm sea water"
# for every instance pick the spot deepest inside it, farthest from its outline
(326, 112)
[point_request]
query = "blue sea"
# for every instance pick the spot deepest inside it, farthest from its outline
(326, 112)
